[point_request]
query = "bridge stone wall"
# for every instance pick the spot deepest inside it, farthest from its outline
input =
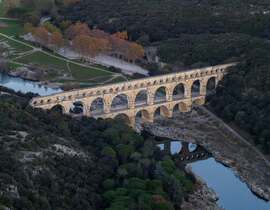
(131, 89)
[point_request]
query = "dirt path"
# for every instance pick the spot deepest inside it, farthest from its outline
(54, 56)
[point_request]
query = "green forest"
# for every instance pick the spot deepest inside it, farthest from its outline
(48, 161)
(187, 34)
(194, 33)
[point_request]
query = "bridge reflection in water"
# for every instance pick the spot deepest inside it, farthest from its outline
(183, 151)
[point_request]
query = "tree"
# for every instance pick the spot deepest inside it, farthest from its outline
(121, 35)
(70, 2)
(41, 35)
(28, 28)
(11, 4)
(88, 46)
(56, 40)
(50, 27)
(108, 152)
(77, 29)
(135, 51)
(81, 44)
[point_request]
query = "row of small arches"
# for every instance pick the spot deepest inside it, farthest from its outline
(179, 91)
(121, 101)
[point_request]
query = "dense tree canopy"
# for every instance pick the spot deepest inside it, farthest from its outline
(192, 33)
(49, 161)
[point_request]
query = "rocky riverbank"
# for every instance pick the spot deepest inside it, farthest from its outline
(203, 197)
(201, 128)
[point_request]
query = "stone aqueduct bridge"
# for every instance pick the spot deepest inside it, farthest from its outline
(186, 82)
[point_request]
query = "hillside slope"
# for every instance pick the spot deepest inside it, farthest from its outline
(50, 161)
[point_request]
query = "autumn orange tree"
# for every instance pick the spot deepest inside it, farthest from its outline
(121, 35)
(135, 51)
(41, 35)
(77, 29)
(56, 40)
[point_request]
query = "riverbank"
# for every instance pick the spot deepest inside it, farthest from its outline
(202, 197)
(25, 86)
(201, 128)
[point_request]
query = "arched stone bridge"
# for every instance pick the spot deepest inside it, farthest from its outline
(138, 98)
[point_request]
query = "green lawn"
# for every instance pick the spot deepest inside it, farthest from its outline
(85, 73)
(43, 59)
(18, 46)
(79, 73)
(2, 9)
(58, 66)
(15, 47)
(14, 28)
(14, 65)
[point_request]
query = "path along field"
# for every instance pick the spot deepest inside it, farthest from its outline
(59, 69)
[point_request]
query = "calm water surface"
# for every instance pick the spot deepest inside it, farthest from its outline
(232, 192)
(25, 86)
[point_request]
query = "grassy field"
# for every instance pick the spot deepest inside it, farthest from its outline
(15, 27)
(42, 59)
(81, 72)
(24, 54)
(2, 9)
(78, 72)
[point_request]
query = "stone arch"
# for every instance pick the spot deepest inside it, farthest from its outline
(141, 98)
(58, 108)
(175, 147)
(120, 102)
(97, 106)
(160, 95)
(162, 111)
(77, 108)
(144, 116)
(211, 85)
(179, 91)
(195, 88)
(192, 147)
(181, 107)
(123, 117)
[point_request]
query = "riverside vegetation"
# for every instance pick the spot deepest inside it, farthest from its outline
(48, 161)
(189, 34)
(199, 33)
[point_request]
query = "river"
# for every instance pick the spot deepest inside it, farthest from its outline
(233, 194)
(25, 86)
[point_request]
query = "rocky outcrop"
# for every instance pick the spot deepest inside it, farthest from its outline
(25, 73)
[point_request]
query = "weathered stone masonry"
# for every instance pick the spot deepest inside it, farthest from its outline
(131, 90)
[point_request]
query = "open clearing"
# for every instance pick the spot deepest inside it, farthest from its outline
(22, 53)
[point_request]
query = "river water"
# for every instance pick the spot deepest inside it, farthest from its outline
(233, 194)
(25, 86)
